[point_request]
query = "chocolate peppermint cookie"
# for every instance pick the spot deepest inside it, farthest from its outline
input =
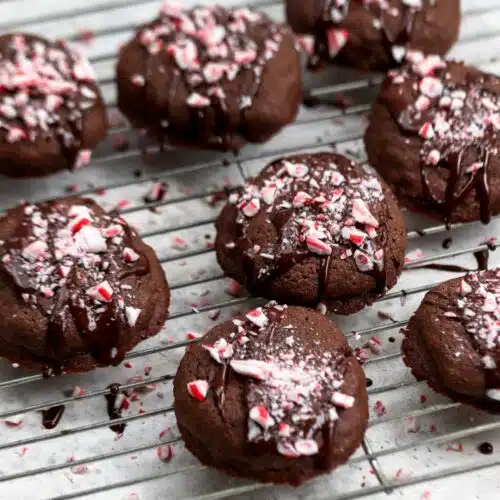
(51, 112)
(434, 137)
(275, 395)
(374, 35)
(313, 228)
(210, 77)
(78, 288)
(453, 340)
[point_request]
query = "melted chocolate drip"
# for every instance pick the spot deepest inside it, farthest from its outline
(113, 412)
(447, 243)
(485, 448)
(482, 258)
(52, 416)
(102, 339)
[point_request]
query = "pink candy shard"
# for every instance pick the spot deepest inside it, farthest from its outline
(342, 400)
(261, 416)
(198, 389)
(337, 38)
(251, 368)
(361, 213)
(317, 246)
(257, 317)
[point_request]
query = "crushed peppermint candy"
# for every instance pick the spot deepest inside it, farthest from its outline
(69, 264)
(41, 82)
(453, 111)
(478, 307)
(294, 392)
(326, 206)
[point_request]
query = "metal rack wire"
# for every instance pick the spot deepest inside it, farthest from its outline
(369, 454)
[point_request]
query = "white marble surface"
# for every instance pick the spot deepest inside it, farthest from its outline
(479, 43)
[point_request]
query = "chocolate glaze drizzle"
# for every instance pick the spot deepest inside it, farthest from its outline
(78, 269)
(277, 419)
(317, 206)
(395, 23)
(114, 408)
(209, 46)
(458, 119)
(46, 91)
(52, 416)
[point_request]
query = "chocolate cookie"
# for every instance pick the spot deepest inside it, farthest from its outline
(375, 35)
(51, 112)
(275, 395)
(313, 228)
(78, 288)
(434, 137)
(453, 340)
(210, 77)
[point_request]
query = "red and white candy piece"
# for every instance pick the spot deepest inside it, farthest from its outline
(433, 157)
(15, 134)
(244, 56)
(212, 35)
(354, 235)
(306, 44)
(363, 261)
(101, 292)
(213, 72)
(196, 100)
(165, 452)
(251, 208)
(251, 368)
(286, 449)
(112, 231)
(494, 119)
(35, 251)
(431, 87)
(300, 199)
(15, 420)
(336, 178)
(427, 65)
(336, 40)
(261, 416)
(296, 169)
(257, 317)
(426, 131)
(78, 223)
(198, 389)
(284, 429)
(361, 213)
(82, 158)
(464, 288)
(422, 103)
(129, 255)
(317, 246)
(306, 446)
(268, 194)
(132, 314)
(342, 400)
(91, 240)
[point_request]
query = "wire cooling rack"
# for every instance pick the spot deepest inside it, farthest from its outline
(418, 444)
